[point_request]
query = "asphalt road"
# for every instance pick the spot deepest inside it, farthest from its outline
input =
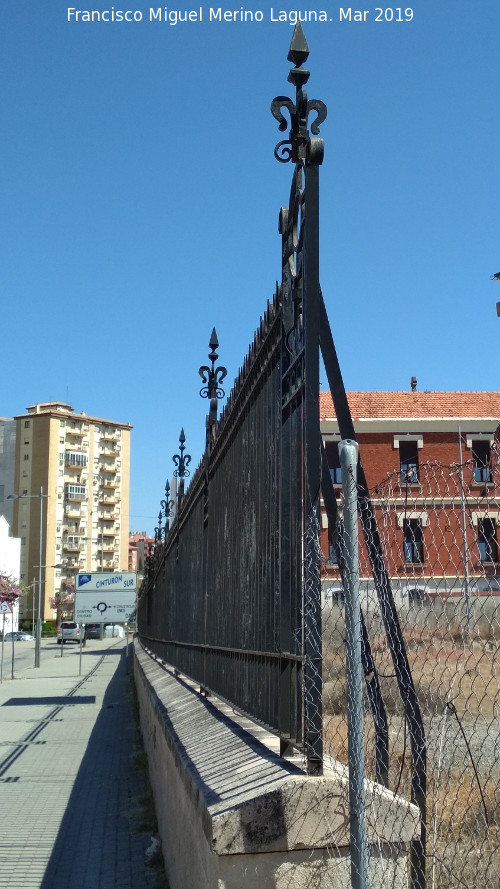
(24, 654)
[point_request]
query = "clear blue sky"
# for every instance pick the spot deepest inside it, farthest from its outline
(140, 199)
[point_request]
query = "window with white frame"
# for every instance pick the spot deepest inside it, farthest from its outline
(408, 462)
(487, 540)
(481, 460)
(413, 541)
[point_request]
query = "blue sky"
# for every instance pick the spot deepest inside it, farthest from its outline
(140, 199)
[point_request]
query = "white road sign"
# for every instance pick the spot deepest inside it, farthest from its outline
(104, 580)
(102, 597)
(5, 608)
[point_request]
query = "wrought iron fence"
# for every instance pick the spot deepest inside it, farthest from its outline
(233, 592)
(447, 597)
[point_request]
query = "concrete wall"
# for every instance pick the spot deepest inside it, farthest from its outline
(232, 813)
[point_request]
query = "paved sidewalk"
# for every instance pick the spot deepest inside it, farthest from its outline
(67, 789)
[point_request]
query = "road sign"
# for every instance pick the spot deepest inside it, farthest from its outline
(102, 597)
(103, 580)
(5, 608)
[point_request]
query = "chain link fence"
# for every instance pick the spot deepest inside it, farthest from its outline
(438, 539)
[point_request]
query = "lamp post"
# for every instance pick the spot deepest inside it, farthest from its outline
(38, 633)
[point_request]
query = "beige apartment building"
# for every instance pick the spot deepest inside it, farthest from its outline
(71, 498)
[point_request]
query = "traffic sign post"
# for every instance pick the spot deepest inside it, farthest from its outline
(102, 597)
(6, 608)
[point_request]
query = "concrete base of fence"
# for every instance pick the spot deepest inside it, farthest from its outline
(231, 813)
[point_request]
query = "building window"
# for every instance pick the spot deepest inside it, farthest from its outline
(333, 553)
(26, 456)
(76, 458)
(486, 540)
(408, 462)
(75, 492)
(412, 541)
(481, 459)
(333, 458)
(27, 424)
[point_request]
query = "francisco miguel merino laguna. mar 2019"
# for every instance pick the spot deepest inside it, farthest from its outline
(219, 15)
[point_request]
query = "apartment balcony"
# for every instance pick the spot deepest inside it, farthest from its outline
(75, 460)
(76, 432)
(72, 495)
(109, 450)
(107, 515)
(71, 546)
(108, 565)
(107, 499)
(108, 484)
(110, 436)
(72, 511)
(109, 548)
(107, 463)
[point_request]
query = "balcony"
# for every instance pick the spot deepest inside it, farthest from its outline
(109, 548)
(72, 511)
(76, 431)
(108, 450)
(70, 546)
(108, 466)
(109, 483)
(75, 459)
(106, 499)
(110, 436)
(75, 495)
(107, 515)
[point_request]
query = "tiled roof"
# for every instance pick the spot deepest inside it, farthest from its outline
(372, 405)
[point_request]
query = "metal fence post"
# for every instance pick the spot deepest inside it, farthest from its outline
(348, 452)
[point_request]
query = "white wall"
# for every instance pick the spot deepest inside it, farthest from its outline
(10, 560)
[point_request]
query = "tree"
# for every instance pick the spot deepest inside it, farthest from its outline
(62, 602)
(10, 591)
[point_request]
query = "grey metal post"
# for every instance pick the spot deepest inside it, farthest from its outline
(464, 532)
(38, 636)
(348, 452)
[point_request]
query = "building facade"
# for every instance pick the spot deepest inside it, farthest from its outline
(70, 498)
(140, 546)
(431, 465)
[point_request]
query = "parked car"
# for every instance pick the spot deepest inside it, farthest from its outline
(69, 631)
(19, 636)
(93, 631)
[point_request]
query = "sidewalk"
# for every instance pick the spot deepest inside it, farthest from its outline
(67, 790)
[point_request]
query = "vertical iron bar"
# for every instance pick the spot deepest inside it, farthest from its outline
(312, 471)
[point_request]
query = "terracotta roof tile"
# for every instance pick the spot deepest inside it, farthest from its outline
(371, 405)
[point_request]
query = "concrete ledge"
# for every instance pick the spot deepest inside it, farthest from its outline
(233, 813)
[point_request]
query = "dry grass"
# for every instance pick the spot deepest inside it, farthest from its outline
(457, 681)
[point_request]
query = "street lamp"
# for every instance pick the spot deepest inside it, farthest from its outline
(38, 633)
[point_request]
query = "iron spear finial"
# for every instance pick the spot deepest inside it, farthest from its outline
(299, 49)
(212, 377)
(299, 147)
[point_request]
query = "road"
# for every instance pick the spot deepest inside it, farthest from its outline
(24, 654)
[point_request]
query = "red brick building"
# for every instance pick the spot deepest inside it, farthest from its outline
(139, 548)
(431, 467)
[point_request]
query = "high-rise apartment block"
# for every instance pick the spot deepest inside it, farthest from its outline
(70, 498)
